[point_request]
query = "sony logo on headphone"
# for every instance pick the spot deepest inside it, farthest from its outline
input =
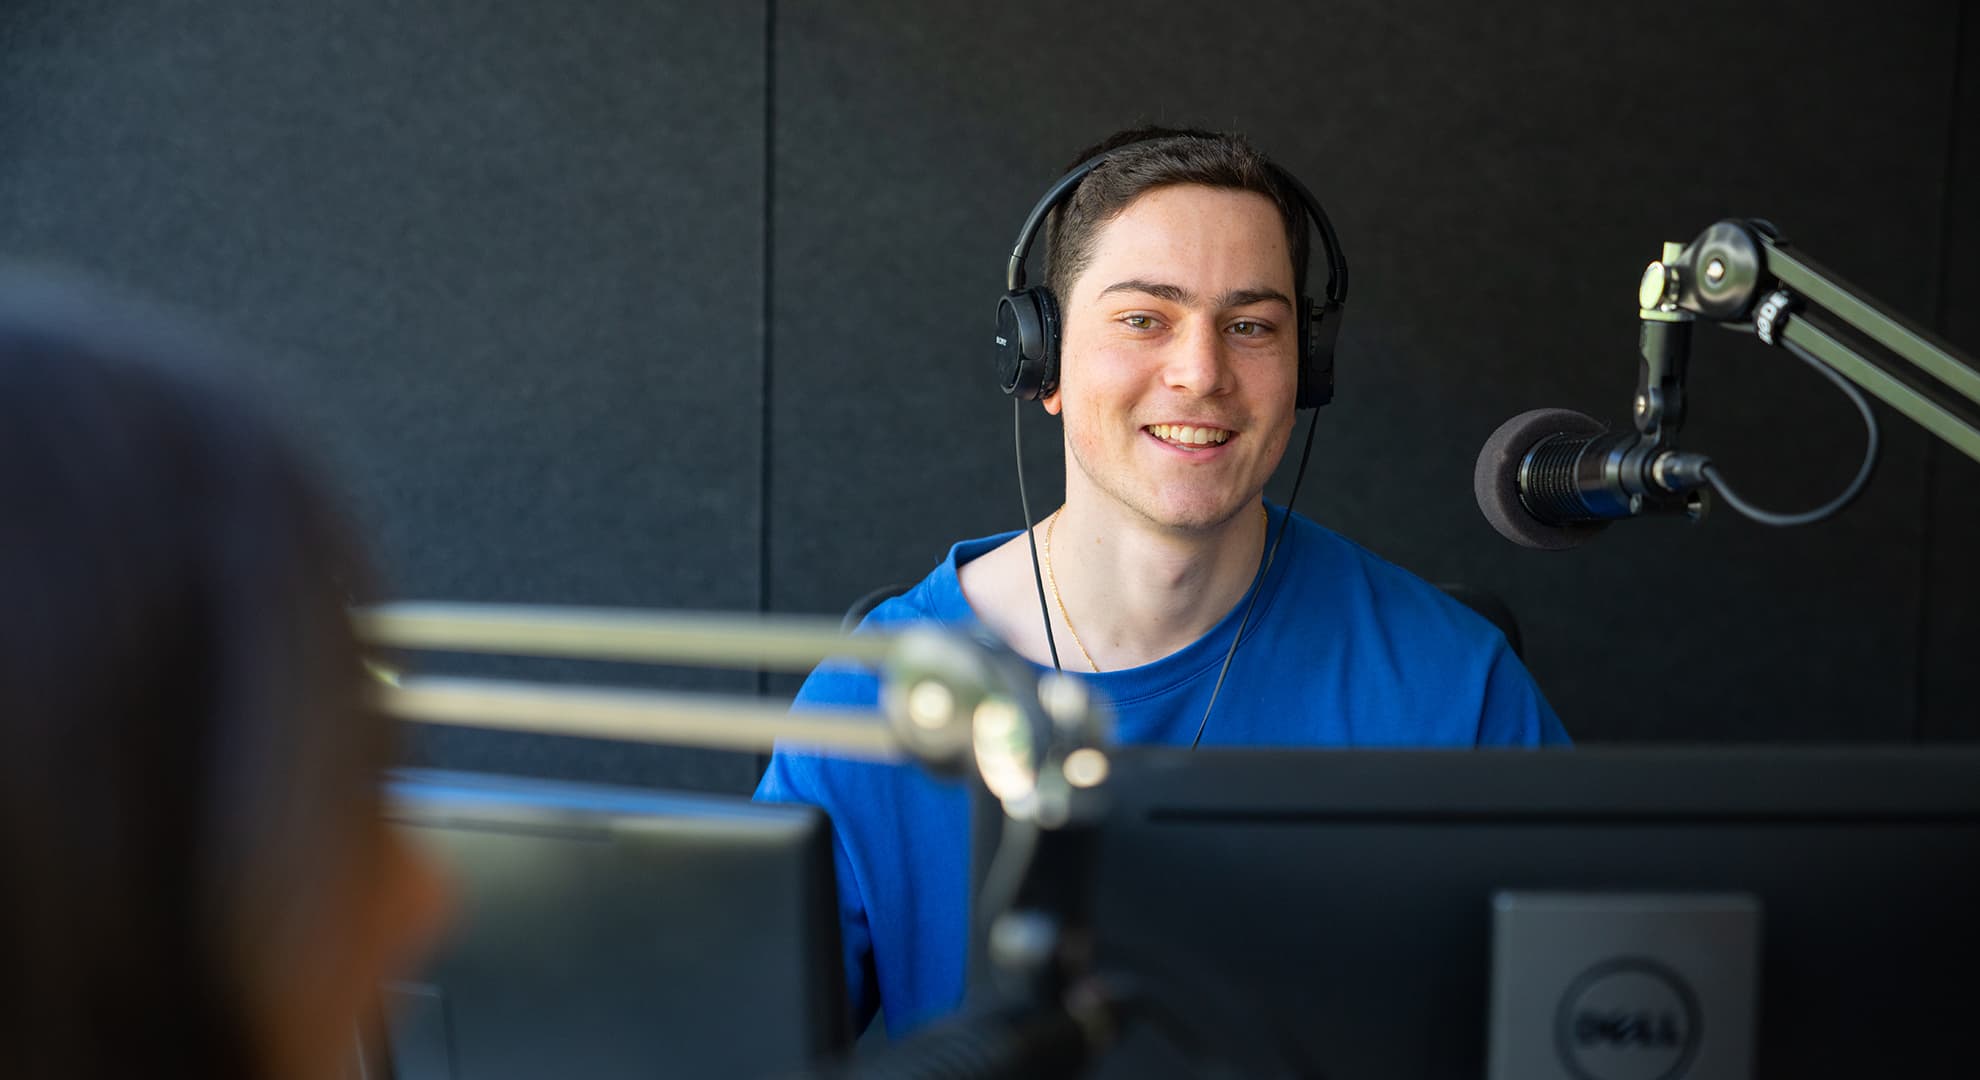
(1002, 344)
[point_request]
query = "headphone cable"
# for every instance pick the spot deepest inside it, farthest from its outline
(1030, 536)
(1258, 582)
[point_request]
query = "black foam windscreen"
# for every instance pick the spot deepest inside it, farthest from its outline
(1495, 479)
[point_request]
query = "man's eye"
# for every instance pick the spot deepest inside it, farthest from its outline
(1140, 322)
(1247, 328)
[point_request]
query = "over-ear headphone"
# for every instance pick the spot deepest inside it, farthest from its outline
(1028, 315)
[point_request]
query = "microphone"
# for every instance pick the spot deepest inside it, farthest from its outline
(1552, 478)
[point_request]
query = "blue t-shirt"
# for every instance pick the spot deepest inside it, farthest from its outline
(1343, 649)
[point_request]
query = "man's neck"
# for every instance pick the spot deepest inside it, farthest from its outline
(1135, 592)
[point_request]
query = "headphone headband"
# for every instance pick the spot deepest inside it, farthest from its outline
(1337, 273)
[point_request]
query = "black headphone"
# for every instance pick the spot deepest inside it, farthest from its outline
(1028, 315)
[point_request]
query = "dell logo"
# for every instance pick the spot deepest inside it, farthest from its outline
(1630, 1018)
(1593, 1027)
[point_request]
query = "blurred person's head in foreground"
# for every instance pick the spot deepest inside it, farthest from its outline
(196, 875)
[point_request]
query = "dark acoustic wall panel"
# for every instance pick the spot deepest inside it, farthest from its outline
(501, 260)
(1951, 662)
(1500, 176)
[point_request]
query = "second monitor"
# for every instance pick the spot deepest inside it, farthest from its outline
(617, 932)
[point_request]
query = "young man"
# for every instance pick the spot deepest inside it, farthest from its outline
(1176, 264)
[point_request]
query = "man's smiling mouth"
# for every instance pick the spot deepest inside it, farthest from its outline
(1186, 437)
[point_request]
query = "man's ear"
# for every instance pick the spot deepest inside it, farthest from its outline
(1052, 402)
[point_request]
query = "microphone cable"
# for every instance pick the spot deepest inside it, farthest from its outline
(1711, 472)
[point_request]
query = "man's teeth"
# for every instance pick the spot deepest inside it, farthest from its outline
(1193, 436)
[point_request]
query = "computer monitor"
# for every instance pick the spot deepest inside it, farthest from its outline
(1428, 914)
(616, 932)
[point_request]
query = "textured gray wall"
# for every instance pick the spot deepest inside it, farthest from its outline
(1949, 664)
(585, 302)
(504, 259)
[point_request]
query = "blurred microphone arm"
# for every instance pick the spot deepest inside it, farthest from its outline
(950, 701)
(953, 702)
(787, 643)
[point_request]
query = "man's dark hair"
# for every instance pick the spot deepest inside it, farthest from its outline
(1143, 159)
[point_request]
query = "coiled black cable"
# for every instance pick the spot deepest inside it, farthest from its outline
(1767, 517)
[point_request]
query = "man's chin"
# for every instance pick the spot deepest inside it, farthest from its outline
(1198, 517)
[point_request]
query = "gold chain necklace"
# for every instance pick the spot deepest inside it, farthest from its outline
(1053, 581)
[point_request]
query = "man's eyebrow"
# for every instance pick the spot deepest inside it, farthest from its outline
(1242, 297)
(1175, 294)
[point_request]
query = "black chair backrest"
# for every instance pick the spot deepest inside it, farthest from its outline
(864, 605)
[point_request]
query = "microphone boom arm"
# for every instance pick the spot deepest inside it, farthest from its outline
(952, 702)
(1741, 273)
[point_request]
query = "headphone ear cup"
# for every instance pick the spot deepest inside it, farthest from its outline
(1028, 343)
(1319, 325)
(1048, 349)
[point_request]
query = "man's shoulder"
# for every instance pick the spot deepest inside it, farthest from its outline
(938, 596)
(1444, 673)
(1320, 558)
(995, 586)
(1333, 575)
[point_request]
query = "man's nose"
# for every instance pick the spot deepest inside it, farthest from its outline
(1197, 363)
